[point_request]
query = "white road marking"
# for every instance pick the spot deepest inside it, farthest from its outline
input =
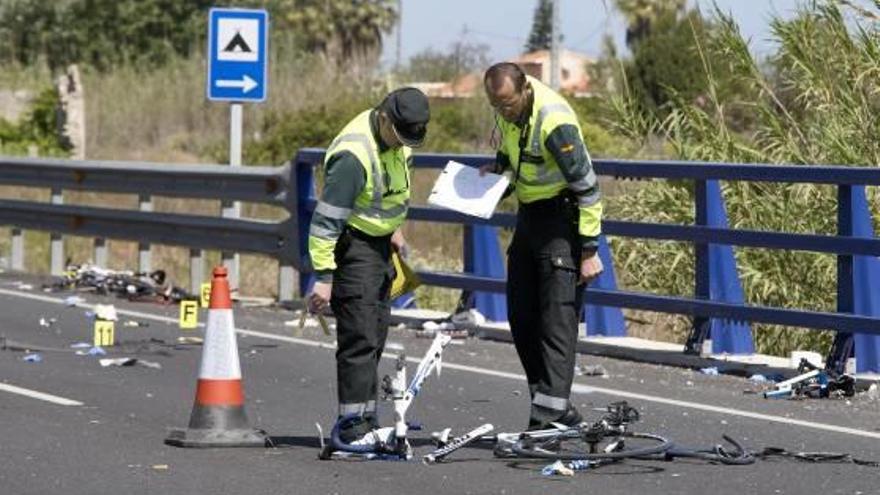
(5, 387)
(576, 388)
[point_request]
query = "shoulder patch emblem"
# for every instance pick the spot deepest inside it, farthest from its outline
(567, 148)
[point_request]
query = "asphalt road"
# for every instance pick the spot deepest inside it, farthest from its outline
(112, 443)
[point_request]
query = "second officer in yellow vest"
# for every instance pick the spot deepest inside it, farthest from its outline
(354, 227)
(553, 252)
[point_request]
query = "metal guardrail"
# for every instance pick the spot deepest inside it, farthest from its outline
(292, 187)
(268, 185)
(701, 308)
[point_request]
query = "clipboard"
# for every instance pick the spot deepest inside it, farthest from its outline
(461, 188)
(405, 278)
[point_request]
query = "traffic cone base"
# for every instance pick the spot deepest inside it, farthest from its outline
(218, 418)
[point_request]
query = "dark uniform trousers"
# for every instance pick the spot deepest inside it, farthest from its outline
(544, 298)
(359, 300)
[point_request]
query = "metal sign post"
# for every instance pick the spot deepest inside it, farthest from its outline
(237, 72)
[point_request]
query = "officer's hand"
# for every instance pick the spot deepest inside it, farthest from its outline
(398, 242)
(319, 299)
(489, 168)
(591, 267)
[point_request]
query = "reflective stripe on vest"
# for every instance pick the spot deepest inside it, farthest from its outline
(366, 142)
(539, 122)
(382, 204)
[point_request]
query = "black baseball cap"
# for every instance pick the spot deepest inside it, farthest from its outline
(409, 113)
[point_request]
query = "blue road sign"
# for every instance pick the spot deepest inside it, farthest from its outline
(237, 54)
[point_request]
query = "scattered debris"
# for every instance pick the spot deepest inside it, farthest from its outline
(758, 378)
(814, 358)
(190, 340)
(117, 362)
(711, 371)
(467, 320)
(133, 323)
(93, 351)
(80, 345)
(47, 322)
(254, 302)
(71, 301)
(106, 312)
(129, 361)
(24, 286)
(813, 382)
(394, 346)
(873, 392)
(128, 284)
(557, 467)
(32, 358)
(160, 467)
(591, 370)
(11, 345)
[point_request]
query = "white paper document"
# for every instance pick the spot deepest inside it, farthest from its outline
(461, 188)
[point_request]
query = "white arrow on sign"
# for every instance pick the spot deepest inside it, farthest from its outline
(246, 83)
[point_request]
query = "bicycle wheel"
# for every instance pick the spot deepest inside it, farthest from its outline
(570, 447)
(717, 454)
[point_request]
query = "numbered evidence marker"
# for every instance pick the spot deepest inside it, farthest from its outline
(189, 314)
(205, 294)
(104, 333)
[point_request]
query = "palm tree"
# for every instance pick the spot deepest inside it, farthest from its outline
(342, 30)
(642, 14)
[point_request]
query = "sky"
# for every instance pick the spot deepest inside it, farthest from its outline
(504, 25)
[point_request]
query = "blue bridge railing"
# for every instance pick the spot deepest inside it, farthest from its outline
(717, 308)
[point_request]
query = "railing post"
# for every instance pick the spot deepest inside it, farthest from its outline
(288, 279)
(17, 250)
(56, 241)
(196, 271)
(483, 258)
(842, 348)
(700, 330)
(866, 286)
(305, 191)
(100, 255)
(145, 203)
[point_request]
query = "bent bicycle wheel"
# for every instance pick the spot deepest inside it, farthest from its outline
(571, 448)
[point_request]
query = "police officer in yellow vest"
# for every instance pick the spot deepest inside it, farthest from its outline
(553, 252)
(354, 227)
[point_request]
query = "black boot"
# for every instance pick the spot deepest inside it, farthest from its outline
(543, 418)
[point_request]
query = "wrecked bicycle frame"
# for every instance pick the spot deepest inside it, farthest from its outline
(607, 440)
(148, 286)
(393, 444)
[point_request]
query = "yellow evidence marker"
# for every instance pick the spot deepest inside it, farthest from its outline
(189, 314)
(205, 294)
(104, 334)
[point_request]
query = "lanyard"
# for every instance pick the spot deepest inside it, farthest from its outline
(523, 140)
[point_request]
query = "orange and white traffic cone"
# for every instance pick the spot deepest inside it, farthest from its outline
(218, 418)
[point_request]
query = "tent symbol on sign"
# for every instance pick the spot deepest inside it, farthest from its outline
(237, 44)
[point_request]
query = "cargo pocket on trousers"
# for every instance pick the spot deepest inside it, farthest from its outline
(345, 291)
(560, 274)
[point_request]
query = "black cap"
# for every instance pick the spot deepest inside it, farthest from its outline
(409, 113)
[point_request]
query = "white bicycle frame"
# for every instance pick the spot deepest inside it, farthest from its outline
(403, 395)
